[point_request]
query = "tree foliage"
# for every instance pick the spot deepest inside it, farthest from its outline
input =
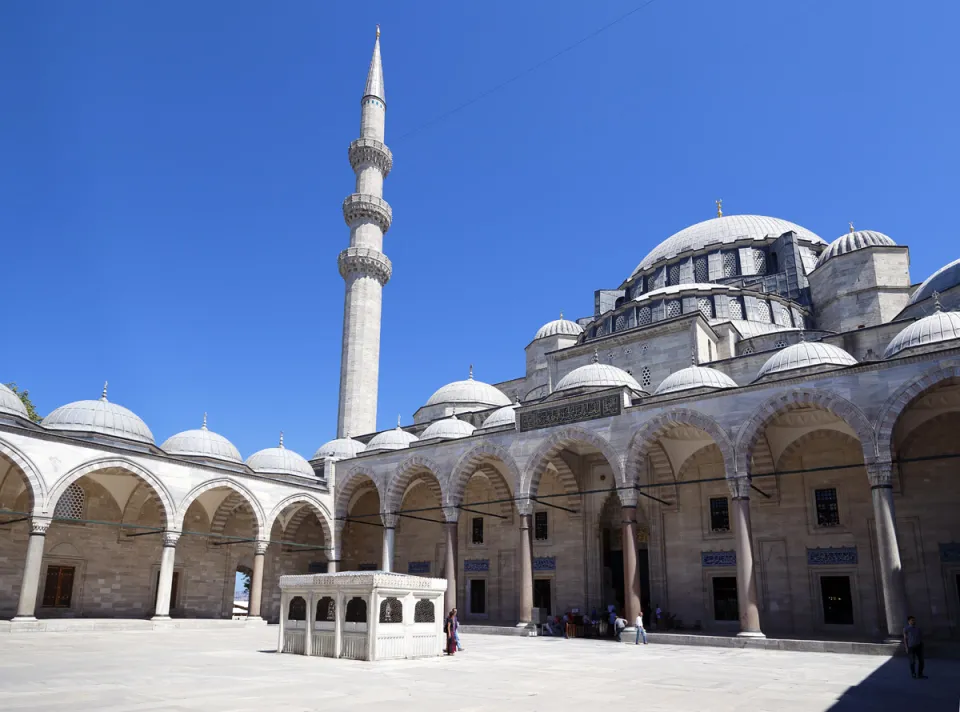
(24, 397)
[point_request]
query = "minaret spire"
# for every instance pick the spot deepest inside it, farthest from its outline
(363, 266)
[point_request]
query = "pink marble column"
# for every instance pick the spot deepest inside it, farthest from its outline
(746, 576)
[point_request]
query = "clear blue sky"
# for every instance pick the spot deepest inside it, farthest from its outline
(171, 178)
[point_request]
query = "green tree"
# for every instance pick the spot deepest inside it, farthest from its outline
(27, 403)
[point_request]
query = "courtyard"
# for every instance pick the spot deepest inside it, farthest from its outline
(235, 669)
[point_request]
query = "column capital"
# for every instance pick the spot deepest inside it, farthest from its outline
(628, 497)
(880, 474)
(524, 506)
(170, 539)
(260, 547)
(629, 513)
(451, 515)
(389, 519)
(39, 525)
(739, 486)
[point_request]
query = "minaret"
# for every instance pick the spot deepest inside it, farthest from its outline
(363, 266)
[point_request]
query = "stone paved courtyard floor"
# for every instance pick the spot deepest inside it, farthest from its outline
(220, 670)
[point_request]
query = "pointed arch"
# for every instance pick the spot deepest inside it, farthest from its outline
(35, 484)
(814, 440)
(238, 490)
(409, 470)
(473, 460)
(898, 403)
(114, 463)
(309, 503)
(349, 485)
(753, 429)
(551, 447)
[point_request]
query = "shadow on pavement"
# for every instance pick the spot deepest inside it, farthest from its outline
(890, 687)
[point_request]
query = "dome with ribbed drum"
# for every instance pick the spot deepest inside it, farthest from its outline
(11, 404)
(559, 327)
(280, 461)
(853, 241)
(939, 327)
(202, 443)
(804, 355)
(943, 279)
(339, 449)
(695, 377)
(99, 417)
(448, 429)
(597, 375)
(469, 393)
(724, 230)
(507, 415)
(395, 439)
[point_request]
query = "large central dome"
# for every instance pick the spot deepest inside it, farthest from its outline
(727, 229)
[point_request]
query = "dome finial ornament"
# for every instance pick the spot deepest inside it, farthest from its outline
(851, 226)
(204, 426)
(719, 207)
(596, 356)
(803, 336)
(281, 439)
(561, 313)
(378, 31)
(471, 371)
(936, 301)
(693, 357)
(103, 396)
(398, 421)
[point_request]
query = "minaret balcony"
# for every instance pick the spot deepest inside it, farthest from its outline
(360, 206)
(369, 151)
(364, 260)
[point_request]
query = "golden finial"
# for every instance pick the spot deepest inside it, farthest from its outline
(103, 396)
(281, 439)
(851, 226)
(204, 426)
(719, 208)
(378, 31)
(471, 371)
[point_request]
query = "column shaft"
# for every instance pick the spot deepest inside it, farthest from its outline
(165, 581)
(389, 542)
(26, 607)
(450, 598)
(891, 570)
(256, 584)
(631, 571)
(746, 577)
(526, 572)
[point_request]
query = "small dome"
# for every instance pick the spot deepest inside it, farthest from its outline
(937, 328)
(806, 355)
(99, 416)
(692, 377)
(448, 429)
(507, 415)
(10, 403)
(339, 449)
(943, 279)
(559, 327)
(853, 241)
(202, 443)
(597, 375)
(395, 439)
(469, 392)
(280, 461)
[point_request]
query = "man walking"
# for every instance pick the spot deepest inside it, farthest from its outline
(640, 630)
(913, 642)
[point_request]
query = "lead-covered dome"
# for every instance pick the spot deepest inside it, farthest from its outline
(449, 429)
(280, 461)
(806, 355)
(695, 377)
(943, 279)
(559, 327)
(471, 393)
(396, 439)
(202, 443)
(507, 415)
(853, 241)
(339, 449)
(10, 403)
(724, 230)
(937, 328)
(99, 417)
(597, 375)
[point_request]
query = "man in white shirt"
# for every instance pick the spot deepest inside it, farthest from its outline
(640, 630)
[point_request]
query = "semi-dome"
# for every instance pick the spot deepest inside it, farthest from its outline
(507, 415)
(395, 439)
(943, 279)
(10, 403)
(806, 355)
(559, 327)
(853, 241)
(937, 328)
(724, 230)
(469, 392)
(280, 461)
(597, 375)
(202, 443)
(99, 416)
(448, 429)
(339, 449)
(695, 377)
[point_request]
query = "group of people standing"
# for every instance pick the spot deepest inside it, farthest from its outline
(451, 628)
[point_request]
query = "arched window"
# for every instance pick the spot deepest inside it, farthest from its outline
(391, 611)
(356, 610)
(297, 610)
(424, 611)
(326, 609)
(70, 504)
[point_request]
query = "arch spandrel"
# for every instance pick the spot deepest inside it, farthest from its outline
(486, 455)
(238, 489)
(553, 445)
(409, 470)
(347, 486)
(31, 473)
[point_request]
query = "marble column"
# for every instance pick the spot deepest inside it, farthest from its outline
(631, 570)
(308, 625)
(888, 548)
(746, 575)
(161, 611)
(30, 584)
(451, 514)
(389, 541)
(256, 581)
(526, 572)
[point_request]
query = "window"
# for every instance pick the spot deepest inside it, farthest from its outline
(540, 530)
(773, 263)
(705, 305)
(645, 378)
(541, 595)
(719, 514)
(760, 261)
(424, 611)
(828, 512)
(298, 609)
(356, 610)
(70, 504)
(620, 324)
(367, 567)
(326, 609)
(477, 530)
(736, 308)
(478, 596)
(700, 272)
(673, 309)
(674, 275)
(837, 601)
(58, 589)
(644, 316)
(725, 607)
(391, 611)
(730, 264)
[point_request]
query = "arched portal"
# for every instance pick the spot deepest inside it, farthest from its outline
(413, 507)
(17, 499)
(359, 524)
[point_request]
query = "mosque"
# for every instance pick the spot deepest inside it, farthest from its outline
(755, 432)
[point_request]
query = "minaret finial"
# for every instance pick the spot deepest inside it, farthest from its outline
(693, 357)
(596, 356)
(378, 31)
(719, 208)
(398, 421)
(851, 226)
(281, 440)
(561, 315)
(204, 426)
(103, 396)
(471, 371)
(937, 306)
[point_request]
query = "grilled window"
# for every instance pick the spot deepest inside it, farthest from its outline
(540, 529)
(644, 316)
(297, 610)
(70, 504)
(673, 308)
(736, 308)
(729, 264)
(620, 324)
(700, 272)
(477, 530)
(828, 511)
(674, 275)
(719, 514)
(705, 305)
(645, 378)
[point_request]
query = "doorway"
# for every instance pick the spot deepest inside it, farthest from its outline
(725, 604)
(541, 595)
(837, 600)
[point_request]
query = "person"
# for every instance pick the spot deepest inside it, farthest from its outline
(913, 642)
(640, 630)
(618, 625)
(656, 620)
(566, 625)
(450, 628)
(612, 620)
(456, 631)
